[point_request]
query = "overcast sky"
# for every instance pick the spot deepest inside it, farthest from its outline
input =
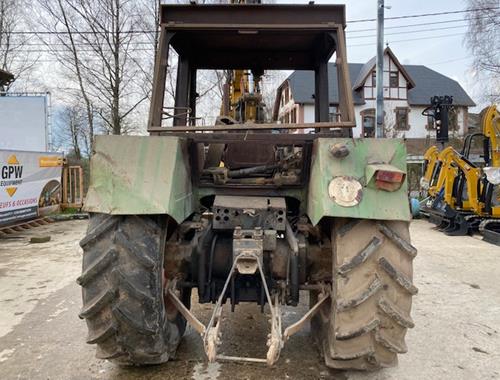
(441, 50)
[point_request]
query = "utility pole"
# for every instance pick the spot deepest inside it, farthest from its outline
(379, 113)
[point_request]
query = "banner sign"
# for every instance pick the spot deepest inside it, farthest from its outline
(28, 180)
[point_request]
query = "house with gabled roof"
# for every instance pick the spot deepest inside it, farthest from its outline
(407, 92)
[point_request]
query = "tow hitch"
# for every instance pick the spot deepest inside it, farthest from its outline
(248, 260)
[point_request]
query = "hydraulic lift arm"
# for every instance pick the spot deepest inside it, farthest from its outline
(455, 163)
(491, 130)
(430, 161)
(439, 174)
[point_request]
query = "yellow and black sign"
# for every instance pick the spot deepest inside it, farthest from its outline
(11, 175)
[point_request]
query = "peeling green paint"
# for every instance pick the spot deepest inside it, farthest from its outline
(374, 204)
(151, 175)
(140, 175)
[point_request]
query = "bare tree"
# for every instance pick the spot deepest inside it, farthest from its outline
(100, 44)
(116, 79)
(270, 82)
(13, 54)
(483, 41)
(72, 118)
(63, 44)
(71, 131)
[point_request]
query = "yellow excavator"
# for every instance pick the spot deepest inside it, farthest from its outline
(242, 98)
(462, 196)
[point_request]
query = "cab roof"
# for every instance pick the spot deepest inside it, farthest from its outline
(254, 36)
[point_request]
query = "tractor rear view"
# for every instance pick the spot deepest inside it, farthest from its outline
(248, 211)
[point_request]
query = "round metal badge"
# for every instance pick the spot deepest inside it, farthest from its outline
(345, 191)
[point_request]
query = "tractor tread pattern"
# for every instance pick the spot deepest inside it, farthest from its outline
(135, 290)
(397, 276)
(140, 257)
(386, 341)
(372, 291)
(122, 288)
(97, 304)
(398, 240)
(367, 352)
(100, 335)
(373, 288)
(101, 263)
(397, 315)
(361, 257)
(100, 229)
(131, 321)
(358, 331)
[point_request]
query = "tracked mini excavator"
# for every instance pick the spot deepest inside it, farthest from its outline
(244, 211)
(463, 197)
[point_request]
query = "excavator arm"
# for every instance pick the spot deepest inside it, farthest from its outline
(430, 161)
(439, 174)
(454, 164)
(449, 164)
(491, 130)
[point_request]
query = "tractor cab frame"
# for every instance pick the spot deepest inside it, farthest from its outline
(256, 37)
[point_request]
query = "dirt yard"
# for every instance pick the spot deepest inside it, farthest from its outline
(457, 317)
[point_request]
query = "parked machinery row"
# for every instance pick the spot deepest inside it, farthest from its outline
(464, 197)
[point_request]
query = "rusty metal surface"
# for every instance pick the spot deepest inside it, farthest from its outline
(251, 37)
(259, 127)
(299, 325)
(251, 14)
(264, 36)
(247, 154)
(262, 138)
(249, 212)
(190, 317)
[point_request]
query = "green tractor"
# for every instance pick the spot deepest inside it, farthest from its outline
(248, 212)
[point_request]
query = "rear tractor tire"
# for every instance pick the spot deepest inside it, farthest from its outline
(123, 291)
(364, 325)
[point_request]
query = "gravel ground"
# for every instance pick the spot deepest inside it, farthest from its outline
(457, 316)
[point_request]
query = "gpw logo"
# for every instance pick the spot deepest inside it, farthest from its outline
(11, 175)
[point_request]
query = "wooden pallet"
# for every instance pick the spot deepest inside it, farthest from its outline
(17, 228)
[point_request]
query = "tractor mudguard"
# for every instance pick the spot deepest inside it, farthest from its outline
(134, 175)
(344, 185)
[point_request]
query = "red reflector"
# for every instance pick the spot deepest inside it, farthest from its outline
(388, 176)
(388, 180)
